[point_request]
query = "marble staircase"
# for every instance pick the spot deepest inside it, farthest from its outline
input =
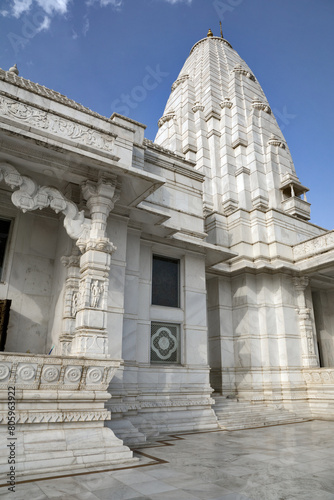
(233, 414)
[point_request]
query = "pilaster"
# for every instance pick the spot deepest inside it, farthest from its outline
(71, 295)
(305, 323)
(90, 336)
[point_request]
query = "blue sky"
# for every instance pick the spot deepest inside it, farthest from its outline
(98, 51)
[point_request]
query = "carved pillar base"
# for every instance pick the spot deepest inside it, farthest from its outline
(90, 342)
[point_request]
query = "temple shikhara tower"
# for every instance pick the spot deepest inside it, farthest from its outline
(156, 287)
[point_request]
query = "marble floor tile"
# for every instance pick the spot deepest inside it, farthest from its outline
(164, 472)
(174, 495)
(153, 487)
(132, 476)
(82, 496)
(118, 491)
(54, 488)
(233, 496)
(288, 462)
(23, 492)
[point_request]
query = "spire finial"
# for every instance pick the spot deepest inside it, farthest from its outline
(221, 29)
(209, 34)
(14, 69)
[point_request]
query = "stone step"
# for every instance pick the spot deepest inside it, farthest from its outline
(258, 423)
(233, 414)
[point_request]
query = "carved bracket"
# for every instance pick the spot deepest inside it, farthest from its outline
(30, 196)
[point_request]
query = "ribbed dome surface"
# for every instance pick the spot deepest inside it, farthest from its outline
(218, 116)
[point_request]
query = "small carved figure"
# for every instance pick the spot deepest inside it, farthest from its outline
(96, 291)
(74, 307)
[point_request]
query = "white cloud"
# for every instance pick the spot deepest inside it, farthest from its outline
(57, 6)
(19, 7)
(85, 27)
(103, 3)
(45, 25)
(173, 2)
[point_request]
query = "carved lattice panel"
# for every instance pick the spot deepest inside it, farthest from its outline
(165, 342)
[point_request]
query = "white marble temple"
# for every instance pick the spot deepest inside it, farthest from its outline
(217, 197)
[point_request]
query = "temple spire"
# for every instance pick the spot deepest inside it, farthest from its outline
(210, 34)
(221, 29)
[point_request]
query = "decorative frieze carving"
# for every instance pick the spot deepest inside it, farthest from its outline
(319, 376)
(45, 92)
(55, 372)
(55, 124)
(315, 246)
(34, 417)
(242, 71)
(125, 407)
(98, 244)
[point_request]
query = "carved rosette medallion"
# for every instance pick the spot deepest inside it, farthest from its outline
(26, 373)
(94, 375)
(73, 374)
(50, 374)
(4, 372)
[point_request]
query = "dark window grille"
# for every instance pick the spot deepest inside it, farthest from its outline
(165, 281)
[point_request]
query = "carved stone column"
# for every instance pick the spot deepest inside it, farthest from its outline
(71, 296)
(305, 323)
(90, 336)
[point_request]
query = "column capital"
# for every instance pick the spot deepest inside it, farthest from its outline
(301, 282)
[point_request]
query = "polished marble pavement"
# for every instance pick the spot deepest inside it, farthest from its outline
(284, 462)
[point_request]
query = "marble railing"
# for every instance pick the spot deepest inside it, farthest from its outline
(42, 372)
(55, 388)
(315, 246)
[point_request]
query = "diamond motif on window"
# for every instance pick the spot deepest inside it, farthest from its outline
(165, 343)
